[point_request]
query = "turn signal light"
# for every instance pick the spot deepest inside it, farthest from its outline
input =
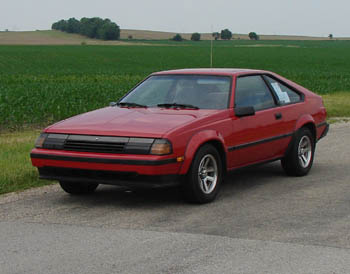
(161, 147)
(40, 141)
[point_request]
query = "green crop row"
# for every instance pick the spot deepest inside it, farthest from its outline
(34, 100)
(43, 84)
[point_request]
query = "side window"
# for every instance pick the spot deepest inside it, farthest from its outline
(252, 91)
(284, 94)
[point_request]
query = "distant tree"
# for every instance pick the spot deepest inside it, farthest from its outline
(253, 36)
(91, 27)
(330, 36)
(61, 25)
(85, 27)
(226, 34)
(108, 31)
(216, 35)
(177, 37)
(55, 26)
(73, 25)
(195, 36)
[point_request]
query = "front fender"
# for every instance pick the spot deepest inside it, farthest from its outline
(196, 142)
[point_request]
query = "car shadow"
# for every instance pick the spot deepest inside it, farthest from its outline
(252, 176)
(235, 182)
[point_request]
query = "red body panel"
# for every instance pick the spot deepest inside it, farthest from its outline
(172, 168)
(245, 140)
(262, 125)
(135, 122)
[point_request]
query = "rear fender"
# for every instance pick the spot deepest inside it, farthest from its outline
(196, 142)
(305, 120)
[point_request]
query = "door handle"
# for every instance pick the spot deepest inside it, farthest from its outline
(278, 116)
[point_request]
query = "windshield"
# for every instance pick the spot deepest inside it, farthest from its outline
(187, 91)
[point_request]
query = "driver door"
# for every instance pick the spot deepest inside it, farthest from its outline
(259, 137)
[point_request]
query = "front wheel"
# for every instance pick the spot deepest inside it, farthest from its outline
(77, 188)
(204, 177)
(298, 161)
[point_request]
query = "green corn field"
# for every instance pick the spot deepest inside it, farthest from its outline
(43, 84)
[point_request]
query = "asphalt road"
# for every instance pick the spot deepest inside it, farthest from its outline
(262, 222)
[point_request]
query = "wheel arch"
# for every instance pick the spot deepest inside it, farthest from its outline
(291, 160)
(200, 139)
(305, 121)
(220, 148)
(308, 122)
(312, 128)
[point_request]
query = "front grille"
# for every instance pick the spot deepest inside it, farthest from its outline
(102, 144)
(88, 146)
(99, 144)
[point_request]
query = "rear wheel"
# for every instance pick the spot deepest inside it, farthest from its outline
(204, 177)
(77, 188)
(299, 159)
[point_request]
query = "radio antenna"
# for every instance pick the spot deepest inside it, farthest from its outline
(211, 47)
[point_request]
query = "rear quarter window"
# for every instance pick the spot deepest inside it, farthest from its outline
(285, 95)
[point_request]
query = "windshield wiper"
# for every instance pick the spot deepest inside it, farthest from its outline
(129, 104)
(176, 105)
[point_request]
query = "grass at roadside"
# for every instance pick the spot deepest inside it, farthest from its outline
(337, 104)
(17, 172)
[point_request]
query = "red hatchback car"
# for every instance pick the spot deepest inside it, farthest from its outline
(187, 128)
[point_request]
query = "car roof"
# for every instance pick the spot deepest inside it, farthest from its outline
(212, 71)
(234, 72)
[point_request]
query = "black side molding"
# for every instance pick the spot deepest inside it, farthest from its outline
(260, 142)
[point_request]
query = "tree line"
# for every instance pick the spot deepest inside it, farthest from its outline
(225, 34)
(95, 27)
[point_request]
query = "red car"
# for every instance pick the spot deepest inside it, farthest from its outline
(187, 128)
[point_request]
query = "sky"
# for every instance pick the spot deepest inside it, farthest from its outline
(280, 17)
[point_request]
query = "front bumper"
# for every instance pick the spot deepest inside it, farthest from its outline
(131, 171)
(129, 180)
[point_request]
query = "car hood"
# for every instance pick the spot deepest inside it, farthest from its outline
(137, 122)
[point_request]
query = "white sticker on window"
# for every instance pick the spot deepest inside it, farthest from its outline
(283, 96)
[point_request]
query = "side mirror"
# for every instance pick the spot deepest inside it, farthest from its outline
(112, 104)
(244, 111)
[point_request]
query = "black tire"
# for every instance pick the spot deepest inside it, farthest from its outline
(78, 188)
(196, 188)
(298, 161)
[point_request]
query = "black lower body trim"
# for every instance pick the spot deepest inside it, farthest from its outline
(263, 162)
(103, 160)
(322, 124)
(262, 141)
(126, 179)
(325, 131)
